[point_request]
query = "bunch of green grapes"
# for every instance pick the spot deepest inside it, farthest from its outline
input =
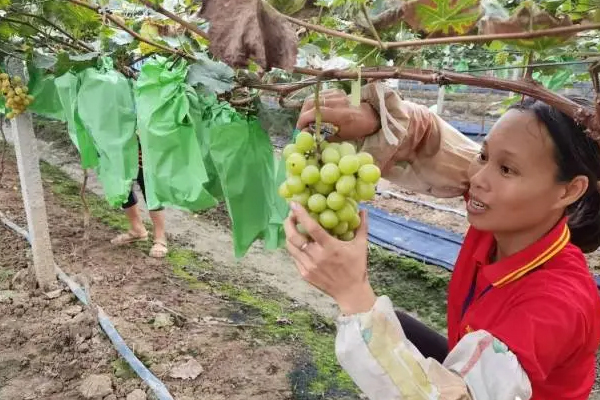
(15, 94)
(329, 179)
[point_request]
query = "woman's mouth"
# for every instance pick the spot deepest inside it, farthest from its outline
(476, 206)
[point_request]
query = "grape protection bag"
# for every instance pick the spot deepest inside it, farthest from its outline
(67, 86)
(243, 157)
(167, 110)
(106, 108)
(47, 102)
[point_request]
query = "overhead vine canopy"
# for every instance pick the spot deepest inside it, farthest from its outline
(240, 48)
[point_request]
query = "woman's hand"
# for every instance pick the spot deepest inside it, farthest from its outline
(353, 122)
(337, 268)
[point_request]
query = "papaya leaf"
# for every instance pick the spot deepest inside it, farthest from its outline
(442, 17)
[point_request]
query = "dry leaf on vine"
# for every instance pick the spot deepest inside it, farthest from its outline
(243, 30)
(526, 19)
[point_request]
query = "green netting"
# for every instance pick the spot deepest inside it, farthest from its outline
(174, 170)
(107, 110)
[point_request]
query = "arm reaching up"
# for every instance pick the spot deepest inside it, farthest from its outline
(415, 148)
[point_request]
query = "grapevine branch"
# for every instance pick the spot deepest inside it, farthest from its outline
(531, 89)
(448, 40)
(49, 37)
(126, 29)
(161, 10)
(55, 27)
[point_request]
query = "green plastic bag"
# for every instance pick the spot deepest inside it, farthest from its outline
(274, 234)
(67, 86)
(243, 156)
(167, 109)
(107, 110)
(213, 113)
(47, 102)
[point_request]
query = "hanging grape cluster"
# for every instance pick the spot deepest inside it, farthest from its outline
(329, 179)
(15, 94)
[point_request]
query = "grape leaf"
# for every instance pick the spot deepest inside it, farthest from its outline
(244, 30)
(288, 7)
(442, 17)
(215, 77)
(43, 61)
(528, 17)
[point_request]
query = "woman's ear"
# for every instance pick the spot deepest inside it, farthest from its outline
(573, 190)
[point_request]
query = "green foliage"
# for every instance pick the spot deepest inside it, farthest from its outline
(211, 76)
(445, 17)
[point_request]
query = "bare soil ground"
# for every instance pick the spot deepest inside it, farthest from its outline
(52, 348)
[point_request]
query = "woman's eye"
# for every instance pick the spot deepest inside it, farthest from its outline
(505, 170)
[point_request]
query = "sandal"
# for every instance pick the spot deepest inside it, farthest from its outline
(159, 249)
(129, 237)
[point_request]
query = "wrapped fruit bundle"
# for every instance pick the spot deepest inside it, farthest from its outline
(329, 179)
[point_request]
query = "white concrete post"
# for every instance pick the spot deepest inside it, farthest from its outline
(33, 197)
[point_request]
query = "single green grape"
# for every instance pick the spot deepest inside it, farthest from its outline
(328, 219)
(348, 236)
(335, 201)
(295, 163)
(289, 150)
(341, 228)
(364, 190)
(365, 158)
(347, 149)
(310, 175)
(302, 198)
(353, 202)
(295, 184)
(305, 142)
(323, 145)
(349, 164)
(284, 191)
(345, 184)
(322, 187)
(330, 155)
(369, 173)
(330, 173)
(347, 213)
(354, 222)
(317, 203)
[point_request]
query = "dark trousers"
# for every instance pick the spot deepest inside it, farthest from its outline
(132, 199)
(430, 343)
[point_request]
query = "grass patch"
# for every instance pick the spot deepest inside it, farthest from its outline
(411, 285)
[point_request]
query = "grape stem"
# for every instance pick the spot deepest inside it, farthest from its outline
(318, 116)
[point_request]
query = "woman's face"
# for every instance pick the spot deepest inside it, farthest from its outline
(513, 180)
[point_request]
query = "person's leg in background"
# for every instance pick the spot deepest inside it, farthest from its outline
(159, 248)
(137, 231)
(430, 343)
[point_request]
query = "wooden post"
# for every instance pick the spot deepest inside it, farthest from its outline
(33, 196)
(440, 100)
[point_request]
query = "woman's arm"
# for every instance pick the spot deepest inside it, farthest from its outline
(415, 148)
(374, 351)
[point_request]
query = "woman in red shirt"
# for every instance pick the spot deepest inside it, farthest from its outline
(523, 308)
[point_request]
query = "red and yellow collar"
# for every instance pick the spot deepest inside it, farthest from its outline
(512, 268)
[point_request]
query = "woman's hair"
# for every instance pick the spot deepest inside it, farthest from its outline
(575, 154)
